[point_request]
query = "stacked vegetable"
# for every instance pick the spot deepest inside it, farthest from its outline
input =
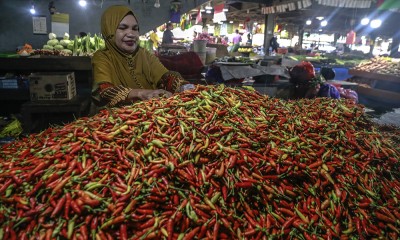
(215, 162)
(80, 46)
(381, 65)
(64, 45)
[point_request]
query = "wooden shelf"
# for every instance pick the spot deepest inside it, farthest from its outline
(46, 63)
(374, 76)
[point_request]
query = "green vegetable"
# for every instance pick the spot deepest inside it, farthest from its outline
(70, 46)
(48, 47)
(66, 36)
(58, 47)
(52, 36)
(65, 42)
(53, 42)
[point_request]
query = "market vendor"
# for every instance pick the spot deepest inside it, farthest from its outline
(124, 72)
(168, 35)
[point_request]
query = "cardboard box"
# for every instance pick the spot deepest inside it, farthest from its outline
(52, 86)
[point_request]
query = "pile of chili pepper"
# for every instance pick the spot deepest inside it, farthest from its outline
(212, 163)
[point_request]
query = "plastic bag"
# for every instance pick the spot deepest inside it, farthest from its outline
(348, 94)
(329, 91)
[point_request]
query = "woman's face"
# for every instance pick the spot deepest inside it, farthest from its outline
(127, 34)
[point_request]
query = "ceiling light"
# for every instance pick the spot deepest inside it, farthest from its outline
(308, 22)
(324, 23)
(82, 3)
(230, 21)
(365, 21)
(226, 10)
(208, 11)
(376, 23)
(320, 18)
(320, 30)
(32, 10)
(157, 4)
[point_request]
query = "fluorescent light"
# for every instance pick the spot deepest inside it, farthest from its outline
(82, 3)
(376, 23)
(32, 10)
(320, 18)
(365, 21)
(324, 23)
(308, 22)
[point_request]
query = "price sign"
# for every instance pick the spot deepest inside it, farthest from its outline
(39, 25)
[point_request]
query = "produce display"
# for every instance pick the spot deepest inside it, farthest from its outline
(214, 163)
(80, 46)
(25, 50)
(381, 65)
(331, 60)
(245, 49)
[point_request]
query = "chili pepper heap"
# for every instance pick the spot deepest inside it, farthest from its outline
(215, 162)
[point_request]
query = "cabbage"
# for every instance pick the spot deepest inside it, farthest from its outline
(52, 36)
(65, 42)
(58, 47)
(70, 46)
(48, 47)
(66, 36)
(52, 42)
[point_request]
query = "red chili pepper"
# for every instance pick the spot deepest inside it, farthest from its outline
(216, 230)
(75, 207)
(58, 207)
(384, 218)
(5, 185)
(192, 233)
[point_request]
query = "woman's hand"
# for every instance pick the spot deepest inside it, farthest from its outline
(145, 94)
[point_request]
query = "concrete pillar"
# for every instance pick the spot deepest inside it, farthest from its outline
(395, 46)
(268, 31)
(301, 36)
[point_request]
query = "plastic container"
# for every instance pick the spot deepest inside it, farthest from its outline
(200, 46)
(211, 55)
(202, 56)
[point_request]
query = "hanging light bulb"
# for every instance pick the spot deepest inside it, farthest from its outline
(365, 21)
(157, 4)
(32, 10)
(375, 23)
(82, 3)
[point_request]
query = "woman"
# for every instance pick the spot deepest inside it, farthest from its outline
(124, 72)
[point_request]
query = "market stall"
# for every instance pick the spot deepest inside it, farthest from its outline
(379, 81)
